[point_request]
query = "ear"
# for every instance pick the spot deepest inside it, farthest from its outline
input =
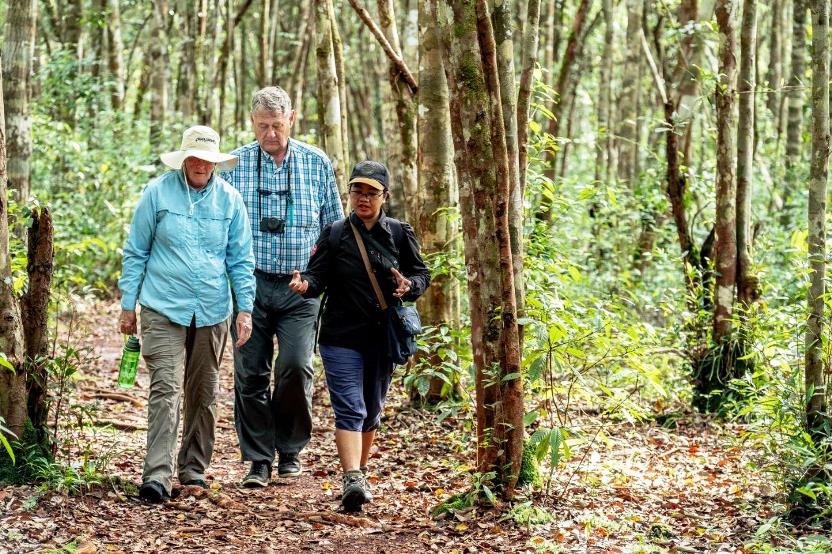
(292, 117)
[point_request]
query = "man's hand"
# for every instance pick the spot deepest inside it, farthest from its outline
(297, 284)
(127, 322)
(402, 283)
(243, 328)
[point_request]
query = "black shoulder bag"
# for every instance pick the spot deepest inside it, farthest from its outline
(403, 323)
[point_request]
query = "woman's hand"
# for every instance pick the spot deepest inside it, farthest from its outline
(402, 283)
(297, 284)
(127, 322)
(243, 328)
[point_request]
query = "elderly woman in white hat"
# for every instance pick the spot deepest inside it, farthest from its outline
(190, 236)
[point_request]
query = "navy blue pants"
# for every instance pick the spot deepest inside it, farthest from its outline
(358, 381)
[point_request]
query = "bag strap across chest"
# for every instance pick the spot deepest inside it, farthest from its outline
(370, 274)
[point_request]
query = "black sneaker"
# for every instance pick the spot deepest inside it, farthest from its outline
(153, 492)
(288, 466)
(259, 475)
(356, 491)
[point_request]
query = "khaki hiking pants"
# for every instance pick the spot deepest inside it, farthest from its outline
(177, 358)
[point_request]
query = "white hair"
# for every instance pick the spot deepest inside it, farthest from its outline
(271, 99)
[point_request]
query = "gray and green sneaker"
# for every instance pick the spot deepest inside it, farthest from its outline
(356, 491)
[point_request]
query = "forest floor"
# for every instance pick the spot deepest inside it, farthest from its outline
(644, 488)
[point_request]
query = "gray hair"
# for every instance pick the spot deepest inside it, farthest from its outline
(271, 99)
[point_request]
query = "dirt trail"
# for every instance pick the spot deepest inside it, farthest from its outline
(684, 490)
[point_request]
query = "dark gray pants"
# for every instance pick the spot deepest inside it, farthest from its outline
(279, 418)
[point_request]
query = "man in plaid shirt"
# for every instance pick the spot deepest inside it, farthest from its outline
(290, 193)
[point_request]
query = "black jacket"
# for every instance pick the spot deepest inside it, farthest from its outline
(352, 316)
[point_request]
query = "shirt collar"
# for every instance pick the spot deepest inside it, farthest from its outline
(383, 222)
(268, 157)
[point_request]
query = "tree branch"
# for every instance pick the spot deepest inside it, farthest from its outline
(385, 45)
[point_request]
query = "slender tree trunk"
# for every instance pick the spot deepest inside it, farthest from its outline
(630, 93)
(795, 110)
(160, 76)
(570, 59)
(436, 183)
(186, 82)
(531, 44)
(774, 74)
(329, 100)
(264, 53)
(340, 72)
(746, 284)
(482, 162)
(35, 308)
(817, 376)
(12, 383)
(115, 56)
(502, 18)
(19, 36)
(273, 50)
(602, 145)
(726, 188)
(405, 106)
(240, 57)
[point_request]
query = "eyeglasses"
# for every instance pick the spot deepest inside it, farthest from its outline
(367, 195)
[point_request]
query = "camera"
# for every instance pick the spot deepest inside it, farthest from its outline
(274, 225)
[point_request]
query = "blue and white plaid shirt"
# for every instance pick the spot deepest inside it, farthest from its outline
(302, 191)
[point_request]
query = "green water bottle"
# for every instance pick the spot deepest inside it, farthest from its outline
(129, 363)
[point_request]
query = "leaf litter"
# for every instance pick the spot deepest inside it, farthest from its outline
(643, 489)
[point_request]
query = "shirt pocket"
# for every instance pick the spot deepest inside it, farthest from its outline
(171, 228)
(213, 233)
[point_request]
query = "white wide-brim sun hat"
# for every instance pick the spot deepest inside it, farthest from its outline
(200, 142)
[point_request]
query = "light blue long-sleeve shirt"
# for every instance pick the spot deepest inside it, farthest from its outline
(183, 249)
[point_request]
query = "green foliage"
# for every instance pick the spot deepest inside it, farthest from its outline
(479, 492)
(5, 441)
(89, 167)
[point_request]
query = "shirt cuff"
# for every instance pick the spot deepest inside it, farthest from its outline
(128, 302)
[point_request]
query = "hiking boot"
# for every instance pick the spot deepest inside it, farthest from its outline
(153, 492)
(356, 491)
(195, 483)
(288, 466)
(259, 475)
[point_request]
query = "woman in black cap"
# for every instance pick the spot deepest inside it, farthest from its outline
(353, 335)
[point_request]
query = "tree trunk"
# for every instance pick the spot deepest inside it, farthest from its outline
(774, 74)
(405, 105)
(340, 73)
(329, 101)
(263, 72)
(570, 58)
(436, 189)
(531, 44)
(630, 92)
(35, 311)
(746, 284)
(12, 383)
(817, 378)
(159, 76)
(795, 111)
(187, 80)
(502, 18)
(19, 36)
(482, 163)
(726, 191)
(114, 55)
(604, 136)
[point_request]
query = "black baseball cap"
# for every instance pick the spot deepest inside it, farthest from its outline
(371, 173)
